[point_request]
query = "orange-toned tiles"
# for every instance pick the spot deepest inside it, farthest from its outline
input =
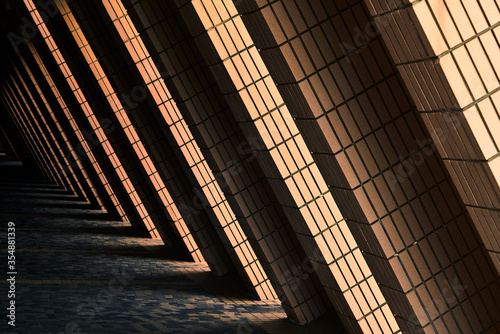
(26, 133)
(184, 139)
(372, 198)
(468, 82)
(240, 71)
(81, 141)
(136, 200)
(52, 144)
(454, 84)
(132, 136)
(91, 192)
(37, 137)
(220, 139)
(99, 132)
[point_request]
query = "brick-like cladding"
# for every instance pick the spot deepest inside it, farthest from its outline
(340, 156)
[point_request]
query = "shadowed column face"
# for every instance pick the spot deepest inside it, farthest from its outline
(157, 121)
(49, 138)
(26, 134)
(282, 155)
(25, 114)
(141, 178)
(341, 156)
(200, 197)
(449, 63)
(451, 70)
(230, 156)
(70, 156)
(78, 140)
(373, 149)
(95, 138)
(26, 110)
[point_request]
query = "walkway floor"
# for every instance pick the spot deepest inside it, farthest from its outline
(80, 273)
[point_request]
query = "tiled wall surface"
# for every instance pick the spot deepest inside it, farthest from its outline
(231, 157)
(337, 154)
(362, 126)
(450, 66)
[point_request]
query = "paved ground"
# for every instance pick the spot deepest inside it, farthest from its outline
(80, 273)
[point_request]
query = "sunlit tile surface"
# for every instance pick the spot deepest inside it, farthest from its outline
(341, 156)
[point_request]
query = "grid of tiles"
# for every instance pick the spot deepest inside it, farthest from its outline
(448, 62)
(129, 148)
(30, 125)
(207, 190)
(143, 123)
(337, 154)
(449, 65)
(120, 153)
(347, 102)
(10, 103)
(116, 170)
(25, 113)
(49, 139)
(227, 153)
(72, 130)
(293, 175)
(67, 84)
(198, 97)
(156, 146)
(71, 158)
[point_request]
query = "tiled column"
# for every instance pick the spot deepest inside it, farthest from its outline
(81, 112)
(349, 102)
(352, 108)
(293, 176)
(78, 153)
(230, 157)
(19, 108)
(449, 62)
(40, 122)
(167, 139)
(168, 178)
(25, 136)
(54, 126)
(127, 154)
